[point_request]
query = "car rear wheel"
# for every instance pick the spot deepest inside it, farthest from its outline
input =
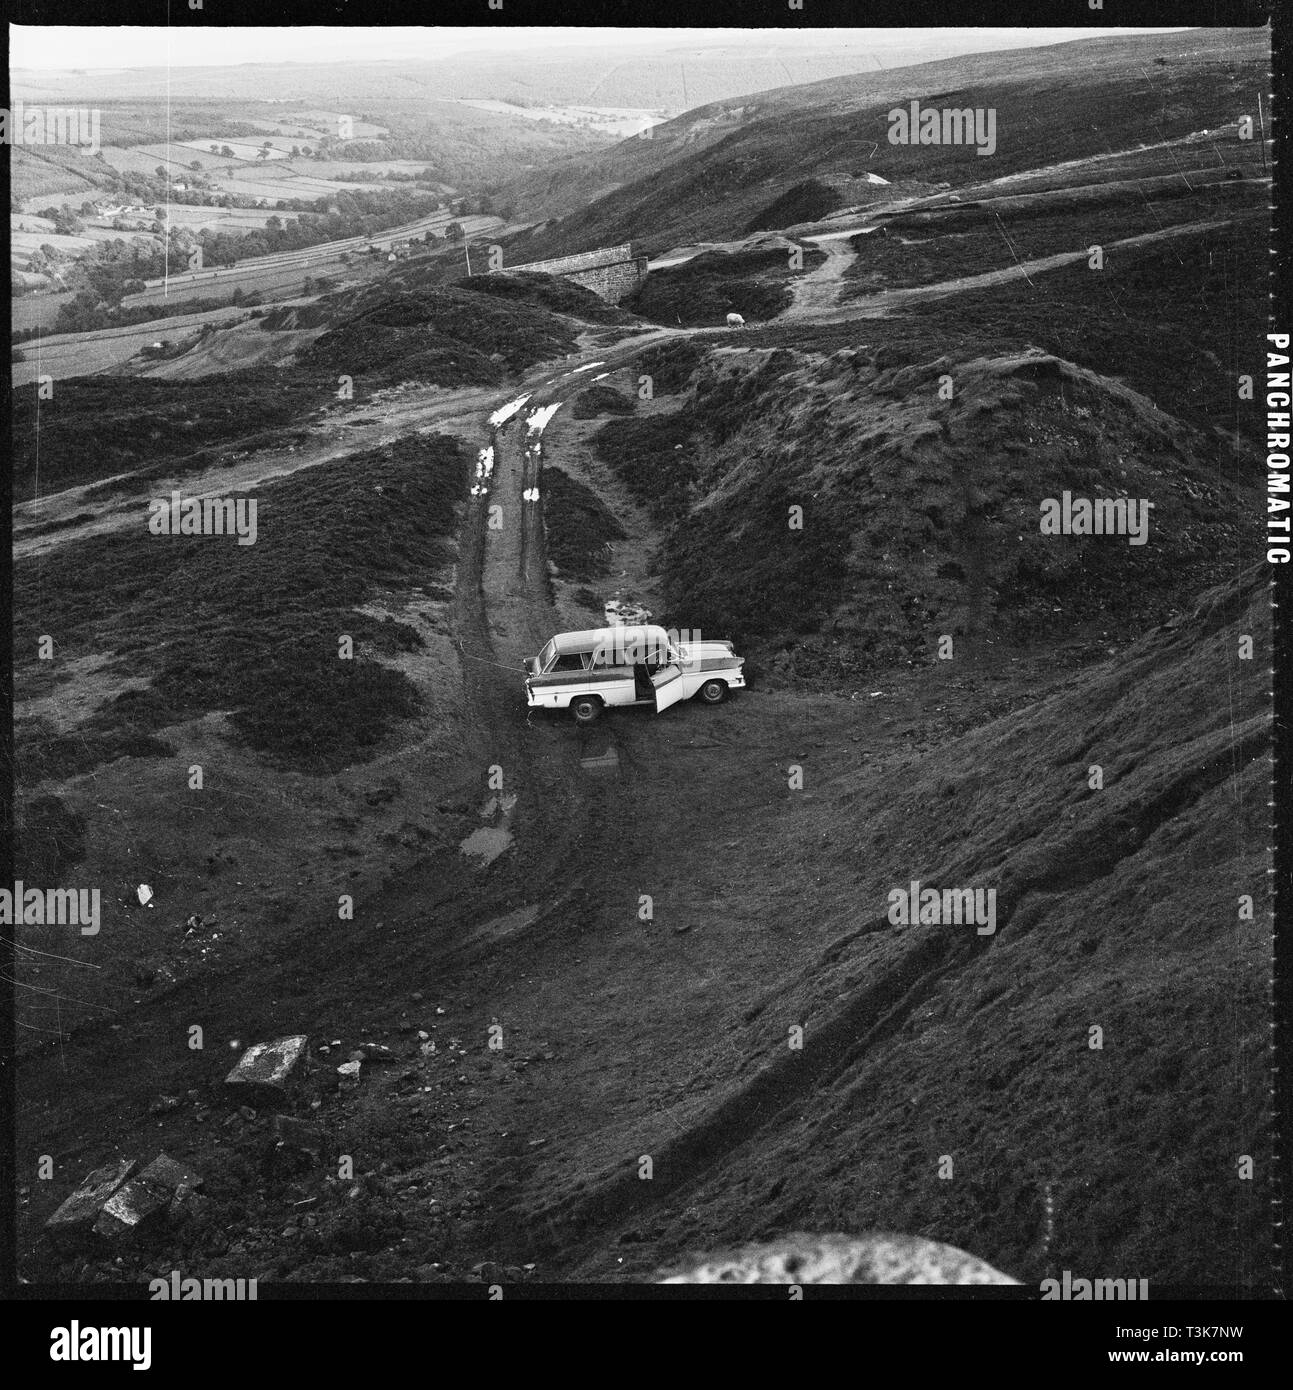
(585, 708)
(714, 692)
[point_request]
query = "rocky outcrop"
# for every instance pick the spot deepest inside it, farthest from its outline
(838, 1259)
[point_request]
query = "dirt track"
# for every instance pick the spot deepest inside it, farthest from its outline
(820, 288)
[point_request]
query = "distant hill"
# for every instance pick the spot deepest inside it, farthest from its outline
(666, 77)
(714, 171)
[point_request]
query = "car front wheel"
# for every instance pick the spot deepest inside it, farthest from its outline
(585, 709)
(714, 692)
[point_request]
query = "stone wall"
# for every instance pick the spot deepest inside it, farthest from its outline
(613, 272)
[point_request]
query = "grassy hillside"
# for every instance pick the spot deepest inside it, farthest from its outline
(700, 178)
(920, 516)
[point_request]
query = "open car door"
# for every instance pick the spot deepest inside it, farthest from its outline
(668, 686)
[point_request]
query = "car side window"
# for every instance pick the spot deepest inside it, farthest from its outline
(569, 661)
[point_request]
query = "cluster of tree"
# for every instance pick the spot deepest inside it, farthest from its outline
(345, 216)
(81, 316)
(66, 222)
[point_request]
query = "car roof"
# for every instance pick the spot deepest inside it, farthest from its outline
(605, 636)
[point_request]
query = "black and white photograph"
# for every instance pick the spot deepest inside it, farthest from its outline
(643, 657)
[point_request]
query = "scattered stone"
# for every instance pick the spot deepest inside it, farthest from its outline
(246, 1112)
(416, 998)
(266, 1069)
(73, 1221)
(164, 1103)
(349, 1071)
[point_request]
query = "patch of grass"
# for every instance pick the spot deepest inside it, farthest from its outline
(449, 337)
(601, 400)
(254, 631)
(704, 290)
(671, 366)
(98, 426)
(805, 202)
(579, 526)
(552, 292)
(50, 838)
(655, 457)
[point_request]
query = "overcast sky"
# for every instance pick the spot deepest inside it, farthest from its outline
(72, 46)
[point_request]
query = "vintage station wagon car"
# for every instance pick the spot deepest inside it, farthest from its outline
(587, 672)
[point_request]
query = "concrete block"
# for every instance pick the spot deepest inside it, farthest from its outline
(266, 1070)
(146, 1200)
(72, 1223)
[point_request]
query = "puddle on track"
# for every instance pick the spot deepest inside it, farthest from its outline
(489, 841)
(603, 759)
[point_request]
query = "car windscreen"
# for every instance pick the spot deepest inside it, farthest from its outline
(546, 655)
